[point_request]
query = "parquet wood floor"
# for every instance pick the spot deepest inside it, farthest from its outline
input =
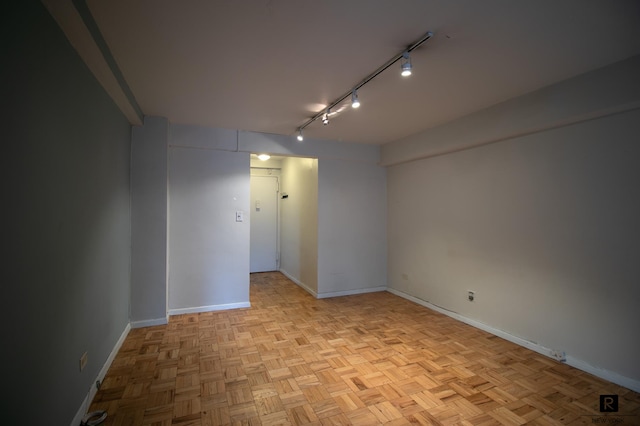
(367, 359)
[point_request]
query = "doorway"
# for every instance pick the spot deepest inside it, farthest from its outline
(284, 218)
(264, 224)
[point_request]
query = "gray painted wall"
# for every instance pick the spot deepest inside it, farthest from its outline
(149, 222)
(65, 170)
(543, 227)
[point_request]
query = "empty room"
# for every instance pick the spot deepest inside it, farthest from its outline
(287, 212)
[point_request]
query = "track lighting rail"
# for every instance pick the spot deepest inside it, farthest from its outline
(367, 79)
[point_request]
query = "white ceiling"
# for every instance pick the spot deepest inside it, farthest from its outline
(269, 66)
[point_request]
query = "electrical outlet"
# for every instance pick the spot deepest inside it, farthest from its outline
(558, 355)
(471, 296)
(83, 361)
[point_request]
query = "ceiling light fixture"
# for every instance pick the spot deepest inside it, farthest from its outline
(355, 103)
(300, 137)
(405, 64)
(406, 59)
(264, 157)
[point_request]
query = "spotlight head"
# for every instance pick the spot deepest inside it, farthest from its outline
(355, 103)
(300, 137)
(406, 69)
(325, 118)
(405, 65)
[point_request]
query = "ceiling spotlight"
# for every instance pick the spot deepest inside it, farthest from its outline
(300, 137)
(264, 157)
(355, 103)
(405, 64)
(325, 118)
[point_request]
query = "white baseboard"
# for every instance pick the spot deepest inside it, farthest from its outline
(299, 283)
(351, 292)
(610, 376)
(149, 323)
(331, 294)
(84, 408)
(197, 309)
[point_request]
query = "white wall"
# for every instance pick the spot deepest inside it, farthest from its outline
(149, 222)
(352, 179)
(270, 167)
(299, 222)
(351, 247)
(608, 90)
(208, 249)
(289, 146)
(542, 227)
(352, 232)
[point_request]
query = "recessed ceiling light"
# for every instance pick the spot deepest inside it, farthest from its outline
(264, 157)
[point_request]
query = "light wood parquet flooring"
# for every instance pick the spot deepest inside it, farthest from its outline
(357, 360)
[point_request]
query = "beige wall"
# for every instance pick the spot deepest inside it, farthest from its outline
(299, 221)
(543, 227)
(352, 232)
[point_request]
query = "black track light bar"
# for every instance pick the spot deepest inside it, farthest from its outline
(367, 79)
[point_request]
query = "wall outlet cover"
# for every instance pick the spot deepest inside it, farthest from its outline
(83, 361)
(558, 355)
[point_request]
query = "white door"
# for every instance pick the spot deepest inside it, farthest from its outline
(264, 223)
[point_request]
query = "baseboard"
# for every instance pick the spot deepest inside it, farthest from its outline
(351, 292)
(299, 283)
(610, 376)
(149, 323)
(331, 294)
(84, 408)
(198, 309)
